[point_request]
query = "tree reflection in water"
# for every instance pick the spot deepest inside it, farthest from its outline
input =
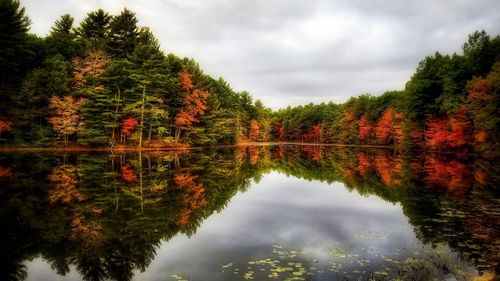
(107, 214)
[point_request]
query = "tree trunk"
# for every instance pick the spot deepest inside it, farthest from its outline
(142, 116)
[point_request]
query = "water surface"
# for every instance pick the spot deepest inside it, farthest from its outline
(261, 213)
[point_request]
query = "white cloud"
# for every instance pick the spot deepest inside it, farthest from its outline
(288, 52)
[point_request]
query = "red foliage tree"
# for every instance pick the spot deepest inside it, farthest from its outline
(128, 126)
(365, 129)
(279, 131)
(313, 134)
(193, 105)
(447, 132)
(459, 127)
(383, 129)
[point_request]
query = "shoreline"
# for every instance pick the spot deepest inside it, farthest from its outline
(186, 148)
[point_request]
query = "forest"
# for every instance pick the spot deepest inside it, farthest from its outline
(105, 82)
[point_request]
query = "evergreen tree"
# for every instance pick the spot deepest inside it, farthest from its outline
(94, 29)
(14, 25)
(123, 35)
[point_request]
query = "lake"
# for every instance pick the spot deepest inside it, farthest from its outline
(282, 212)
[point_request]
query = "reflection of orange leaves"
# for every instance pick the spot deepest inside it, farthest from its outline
(5, 126)
(127, 173)
(384, 169)
(193, 195)
(88, 233)
(313, 151)
(64, 180)
(279, 152)
(481, 136)
(449, 175)
(387, 167)
(480, 177)
(5, 172)
(254, 155)
(241, 153)
(364, 164)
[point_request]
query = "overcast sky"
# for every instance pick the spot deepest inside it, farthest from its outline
(290, 52)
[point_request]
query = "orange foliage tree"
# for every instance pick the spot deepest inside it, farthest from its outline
(447, 132)
(193, 104)
(254, 130)
(94, 64)
(365, 129)
(66, 119)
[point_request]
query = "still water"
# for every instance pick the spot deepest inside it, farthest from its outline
(249, 213)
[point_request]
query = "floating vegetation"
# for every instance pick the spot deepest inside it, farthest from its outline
(429, 263)
(177, 277)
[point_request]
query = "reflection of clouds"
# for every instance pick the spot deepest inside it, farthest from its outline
(287, 211)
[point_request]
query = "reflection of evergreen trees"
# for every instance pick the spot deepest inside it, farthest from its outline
(107, 214)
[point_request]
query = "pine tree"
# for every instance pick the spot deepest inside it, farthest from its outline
(123, 34)
(94, 29)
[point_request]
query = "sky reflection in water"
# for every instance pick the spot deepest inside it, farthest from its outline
(235, 215)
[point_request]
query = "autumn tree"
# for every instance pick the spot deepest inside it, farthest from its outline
(254, 130)
(65, 117)
(94, 64)
(128, 126)
(193, 105)
(365, 129)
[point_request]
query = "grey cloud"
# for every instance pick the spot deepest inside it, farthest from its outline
(291, 52)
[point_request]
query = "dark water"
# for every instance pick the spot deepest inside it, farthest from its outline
(250, 213)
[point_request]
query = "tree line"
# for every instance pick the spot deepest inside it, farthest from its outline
(106, 82)
(450, 103)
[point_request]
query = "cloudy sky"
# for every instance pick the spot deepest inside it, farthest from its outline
(290, 52)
